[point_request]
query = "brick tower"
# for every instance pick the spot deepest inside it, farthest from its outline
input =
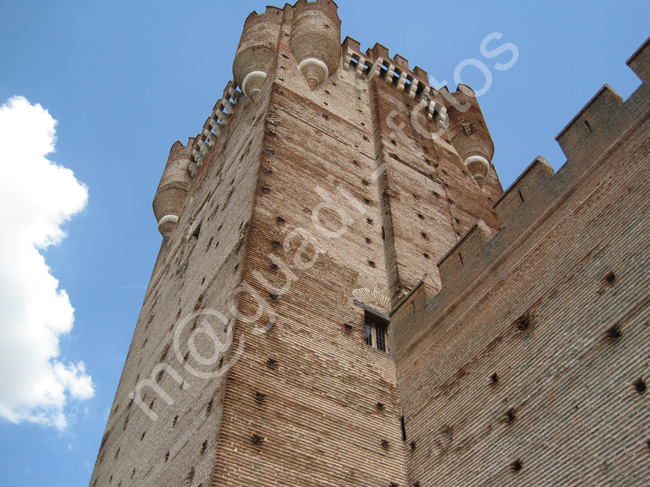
(298, 275)
(315, 196)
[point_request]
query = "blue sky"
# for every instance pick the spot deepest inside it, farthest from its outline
(124, 80)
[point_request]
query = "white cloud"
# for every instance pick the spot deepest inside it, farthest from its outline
(36, 197)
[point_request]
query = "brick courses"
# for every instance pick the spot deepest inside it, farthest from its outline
(322, 201)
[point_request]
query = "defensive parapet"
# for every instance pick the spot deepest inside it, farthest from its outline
(457, 112)
(222, 112)
(602, 128)
(524, 188)
(376, 62)
(540, 328)
(468, 253)
(603, 118)
(314, 41)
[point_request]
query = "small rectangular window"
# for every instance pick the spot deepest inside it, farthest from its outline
(376, 331)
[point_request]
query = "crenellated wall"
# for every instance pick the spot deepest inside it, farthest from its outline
(314, 417)
(529, 367)
(330, 186)
(199, 265)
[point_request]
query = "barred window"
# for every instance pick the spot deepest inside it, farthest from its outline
(381, 336)
(376, 332)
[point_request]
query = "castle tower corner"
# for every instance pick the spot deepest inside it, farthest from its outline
(469, 134)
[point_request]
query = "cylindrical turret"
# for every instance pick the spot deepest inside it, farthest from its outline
(316, 39)
(256, 50)
(172, 190)
(469, 134)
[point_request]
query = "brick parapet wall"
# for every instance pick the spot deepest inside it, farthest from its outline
(526, 368)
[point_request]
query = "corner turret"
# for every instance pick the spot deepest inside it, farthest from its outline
(469, 134)
(256, 50)
(172, 190)
(316, 40)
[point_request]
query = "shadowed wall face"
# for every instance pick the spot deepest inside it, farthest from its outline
(534, 354)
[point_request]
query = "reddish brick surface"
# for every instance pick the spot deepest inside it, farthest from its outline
(322, 203)
(518, 359)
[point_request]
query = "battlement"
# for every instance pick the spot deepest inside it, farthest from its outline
(321, 4)
(467, 255)
(222, 112)
(639, 62)
(526, 187)
(255, 18)
(594, 126)
(603, 118)
(376, 62)
(601, 128)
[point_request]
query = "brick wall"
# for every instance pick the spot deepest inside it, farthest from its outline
(312, 206)
(527, 369)
(192, 273)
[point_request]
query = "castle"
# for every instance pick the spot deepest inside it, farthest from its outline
(345, 295)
